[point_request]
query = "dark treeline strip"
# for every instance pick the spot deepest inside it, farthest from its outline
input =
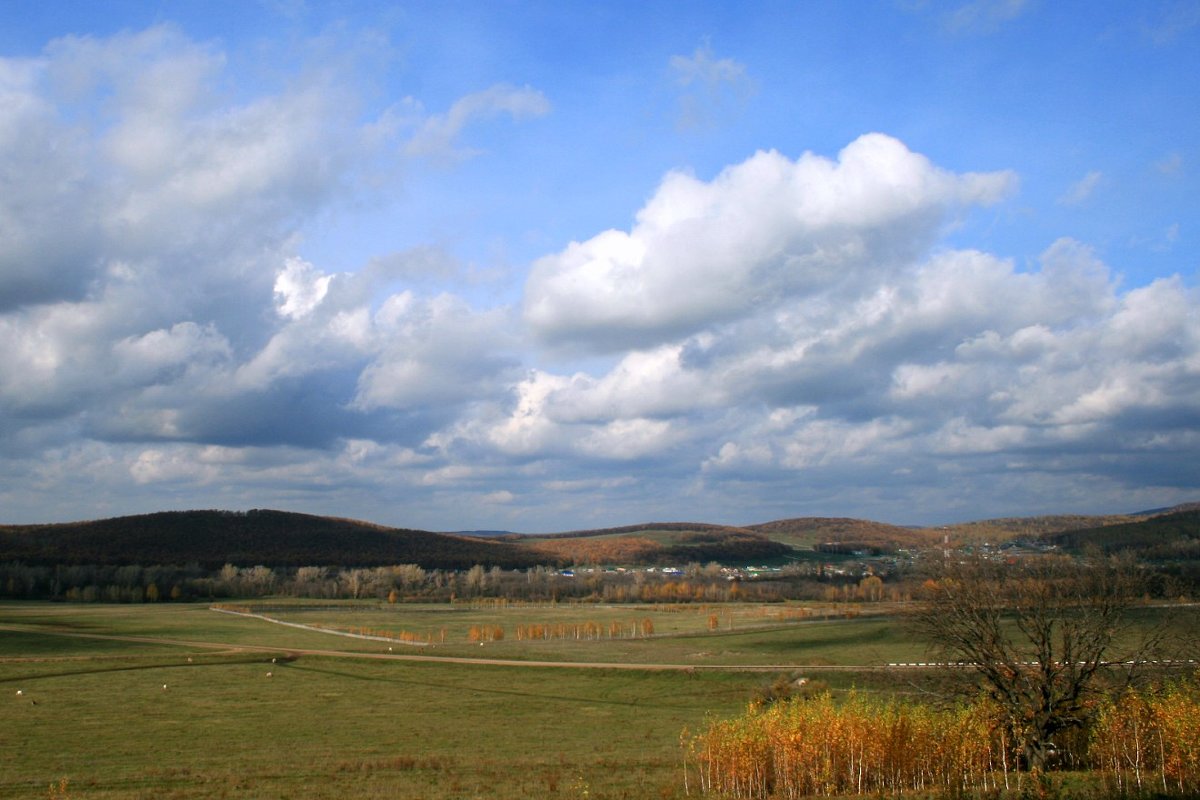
(695, 583)
(804, 581)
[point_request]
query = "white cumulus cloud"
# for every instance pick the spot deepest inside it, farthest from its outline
(761, 232)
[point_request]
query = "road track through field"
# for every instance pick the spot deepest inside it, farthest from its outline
(495, 662)
(294, 652)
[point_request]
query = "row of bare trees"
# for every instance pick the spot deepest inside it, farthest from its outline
(614, 629)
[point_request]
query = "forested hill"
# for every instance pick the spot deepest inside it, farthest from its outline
(1172, 536)
(286, 539)
(839, 534)
(664, 543)
(271, 538)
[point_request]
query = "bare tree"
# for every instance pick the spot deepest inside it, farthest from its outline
(1038, 633)
(309, 581)
(476, 578)
(411, 576)
(356, 581)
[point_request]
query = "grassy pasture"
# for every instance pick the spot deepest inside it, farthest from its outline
(358, 725)
(329, 726)
(745, 633)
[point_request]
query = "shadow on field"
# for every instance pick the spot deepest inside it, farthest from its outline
(132, 668)
(48, 642)
(591, 700)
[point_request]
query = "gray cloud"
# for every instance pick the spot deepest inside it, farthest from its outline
(45, 177)
(148, 290)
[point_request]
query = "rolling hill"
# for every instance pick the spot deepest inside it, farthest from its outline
(657, 543)
(1165, 537)
(836, 534)
(272, 538)
(1008, 528)
(288, 539)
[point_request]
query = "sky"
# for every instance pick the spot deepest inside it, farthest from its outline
(545, 266)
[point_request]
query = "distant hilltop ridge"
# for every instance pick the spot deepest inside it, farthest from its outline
(290, 539)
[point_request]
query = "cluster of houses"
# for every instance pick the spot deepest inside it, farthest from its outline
(728, 573)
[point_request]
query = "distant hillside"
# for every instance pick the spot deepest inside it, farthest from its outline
(842, 534)
(1008, 528)
(839, 533)
(1154, 512)
(674, 543)
(271, 538)
(641, 528)
(1174, 536)
(286, 539)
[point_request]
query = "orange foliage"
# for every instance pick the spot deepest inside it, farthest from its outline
(815, 747)
(1144, 742)
(599, 550)
(1140, 742)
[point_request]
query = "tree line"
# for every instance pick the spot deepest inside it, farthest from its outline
(133, 583)
(696, 583)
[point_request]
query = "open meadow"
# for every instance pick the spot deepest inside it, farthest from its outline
(124, 701)
(180, 700)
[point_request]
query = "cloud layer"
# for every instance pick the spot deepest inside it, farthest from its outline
(790, 335)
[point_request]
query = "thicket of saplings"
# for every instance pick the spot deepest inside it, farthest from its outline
(1140, 742)
(409, 582)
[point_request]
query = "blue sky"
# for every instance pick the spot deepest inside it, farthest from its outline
(542, 266)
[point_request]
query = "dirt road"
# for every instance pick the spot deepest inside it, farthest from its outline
(293, 652)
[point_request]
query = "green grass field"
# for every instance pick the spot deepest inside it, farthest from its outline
(745, 634)
(93, 709)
